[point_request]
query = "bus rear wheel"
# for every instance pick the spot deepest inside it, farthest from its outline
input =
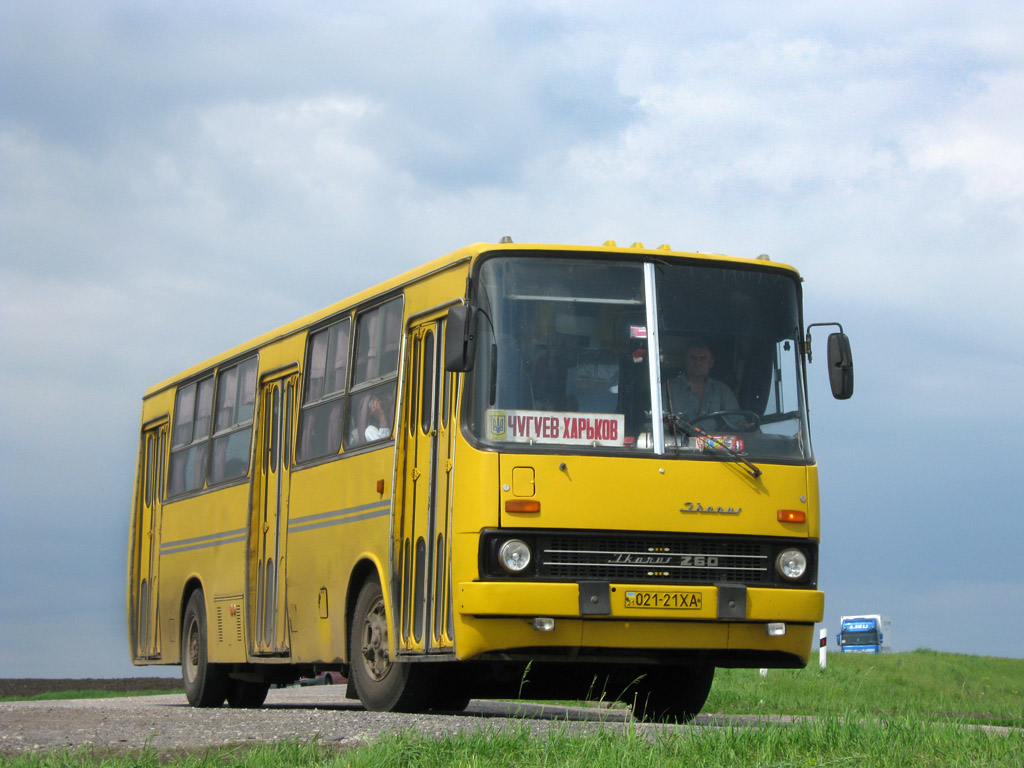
(205, 683)
(673, 695)
(382, 684)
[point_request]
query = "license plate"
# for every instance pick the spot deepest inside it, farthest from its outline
(673, 601)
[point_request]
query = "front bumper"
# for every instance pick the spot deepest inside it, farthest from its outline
(728, 623)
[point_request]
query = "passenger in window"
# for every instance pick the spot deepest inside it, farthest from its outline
(695, 392)
(378, 425)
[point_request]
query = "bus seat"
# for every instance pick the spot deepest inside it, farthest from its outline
(593, 382)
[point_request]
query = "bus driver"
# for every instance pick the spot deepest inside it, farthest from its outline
(695, 393)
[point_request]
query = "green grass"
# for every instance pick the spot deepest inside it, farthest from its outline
(84, 694)
(924, 684)
(824, 742)
(828, 741)
(913, 709)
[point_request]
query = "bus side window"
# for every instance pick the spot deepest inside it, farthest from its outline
(192, 413)
(378, 339)
(372, 415)
(323, 396)
(232, 437)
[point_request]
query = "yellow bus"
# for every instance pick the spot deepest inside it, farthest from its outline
(518, 470)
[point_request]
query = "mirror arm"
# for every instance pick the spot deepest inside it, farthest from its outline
(807, 337)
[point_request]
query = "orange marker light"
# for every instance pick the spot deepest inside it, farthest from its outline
(792, 516)
(522, 506)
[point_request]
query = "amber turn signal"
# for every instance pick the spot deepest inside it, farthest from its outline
(522, 506)
(792, 516)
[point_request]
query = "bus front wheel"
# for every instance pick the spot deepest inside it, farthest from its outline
(383, 685)
(673, 695)
(205, 683)
(244, 694)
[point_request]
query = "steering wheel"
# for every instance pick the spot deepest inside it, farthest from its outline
(738, 420)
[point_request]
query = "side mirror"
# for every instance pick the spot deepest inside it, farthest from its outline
(840, 366)
(460, 339)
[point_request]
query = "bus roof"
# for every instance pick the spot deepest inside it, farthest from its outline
(467, 253)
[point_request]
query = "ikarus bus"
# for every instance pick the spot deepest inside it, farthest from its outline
(517, 470)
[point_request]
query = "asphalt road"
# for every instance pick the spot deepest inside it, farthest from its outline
(166, 723)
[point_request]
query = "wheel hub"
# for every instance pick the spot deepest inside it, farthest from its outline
(376, 660)
(192, 652)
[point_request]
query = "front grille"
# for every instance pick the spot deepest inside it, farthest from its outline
(663, 560)
(648, 557)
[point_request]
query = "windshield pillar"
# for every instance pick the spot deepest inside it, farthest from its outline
(654, 358)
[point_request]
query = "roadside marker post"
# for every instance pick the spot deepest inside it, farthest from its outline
(822, 641)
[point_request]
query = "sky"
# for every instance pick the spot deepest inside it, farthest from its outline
(178, 177)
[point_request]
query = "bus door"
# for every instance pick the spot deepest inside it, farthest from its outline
(146, 547)
(268, 617)
(424, 549)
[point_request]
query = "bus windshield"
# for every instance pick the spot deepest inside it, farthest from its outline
(563, 358)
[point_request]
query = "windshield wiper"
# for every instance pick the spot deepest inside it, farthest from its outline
(675, 420)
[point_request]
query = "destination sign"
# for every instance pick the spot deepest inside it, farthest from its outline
(556, 427)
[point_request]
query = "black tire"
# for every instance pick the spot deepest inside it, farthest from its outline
(205, 683)
(675, 695)
(243, 694)
(447, 700)
(383, 685)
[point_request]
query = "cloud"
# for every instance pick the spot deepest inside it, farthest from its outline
(846, 156)
(980, 143)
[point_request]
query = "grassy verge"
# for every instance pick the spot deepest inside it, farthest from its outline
(824, 742)
(85, 694)
(828, 741)
(922, 684)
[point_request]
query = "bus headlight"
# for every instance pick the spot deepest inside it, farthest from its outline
(514, 555)
(791, 564)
